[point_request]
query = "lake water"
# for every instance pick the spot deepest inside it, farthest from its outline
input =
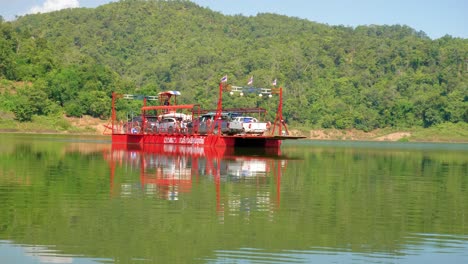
(67, 199)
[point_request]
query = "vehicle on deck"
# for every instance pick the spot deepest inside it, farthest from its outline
(167, 125)
(173, 122)
(251, 125)
(206, 123)
(134, 126)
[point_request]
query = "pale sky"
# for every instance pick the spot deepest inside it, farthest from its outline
(435, 17)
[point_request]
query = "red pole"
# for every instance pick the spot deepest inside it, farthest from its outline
(220, 101)
(280, 109)
(113, 111)
(143, 118)
(281, 114)
(219, 108)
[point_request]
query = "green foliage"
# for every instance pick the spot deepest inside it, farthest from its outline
(30, 101)
(74, 108)
(7, 101)
(7, 50)
(333, 77)
(450, 132)
(22, 109)
(96, 103)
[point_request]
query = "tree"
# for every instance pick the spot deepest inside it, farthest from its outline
(29, 102)
(365, 77)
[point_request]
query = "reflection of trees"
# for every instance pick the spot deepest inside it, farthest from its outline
(373, 199)
(68, 205)
(357, 199)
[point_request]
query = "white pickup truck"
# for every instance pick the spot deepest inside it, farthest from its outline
(206, 123)
(251, 125)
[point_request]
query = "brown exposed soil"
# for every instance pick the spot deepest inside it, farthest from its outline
(394, 136)
(87, 123)
(334, 134)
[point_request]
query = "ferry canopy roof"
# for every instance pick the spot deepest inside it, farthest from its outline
(167, 107)
(169, 93)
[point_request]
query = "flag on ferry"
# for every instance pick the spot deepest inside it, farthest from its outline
(250, 81)
(224, 79)
(274, 83)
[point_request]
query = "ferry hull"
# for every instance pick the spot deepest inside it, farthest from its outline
(198, 140)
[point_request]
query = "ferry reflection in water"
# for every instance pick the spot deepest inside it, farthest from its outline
(168, 171)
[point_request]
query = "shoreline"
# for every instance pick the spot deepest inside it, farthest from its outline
(89, 126)
(317, 134)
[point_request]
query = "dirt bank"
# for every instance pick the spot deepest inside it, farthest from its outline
(335, 134)
(87, 123)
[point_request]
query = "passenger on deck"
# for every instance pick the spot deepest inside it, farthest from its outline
(166, 103)
(178, 125)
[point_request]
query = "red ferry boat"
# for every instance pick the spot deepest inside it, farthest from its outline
(170, 123)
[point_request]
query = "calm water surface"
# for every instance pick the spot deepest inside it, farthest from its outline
(71, 199)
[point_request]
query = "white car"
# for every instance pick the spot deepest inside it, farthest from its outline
(251, 125)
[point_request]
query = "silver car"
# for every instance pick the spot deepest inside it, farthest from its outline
(167, 125)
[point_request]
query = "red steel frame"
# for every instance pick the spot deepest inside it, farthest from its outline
(273, 139)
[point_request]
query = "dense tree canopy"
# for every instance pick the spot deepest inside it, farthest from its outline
(334, 76)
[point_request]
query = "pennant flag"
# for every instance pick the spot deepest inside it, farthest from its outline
(224, 79)
(250, 81)
(274, 83)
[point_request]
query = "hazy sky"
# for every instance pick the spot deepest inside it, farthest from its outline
(435, 17)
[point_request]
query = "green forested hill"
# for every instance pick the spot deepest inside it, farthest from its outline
(334, 76)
